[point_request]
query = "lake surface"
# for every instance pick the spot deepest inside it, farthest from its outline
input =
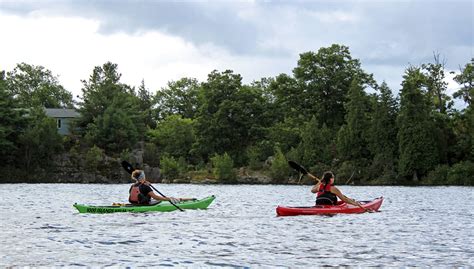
(416, 226)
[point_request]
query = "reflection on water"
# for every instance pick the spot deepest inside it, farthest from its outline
(423, 226)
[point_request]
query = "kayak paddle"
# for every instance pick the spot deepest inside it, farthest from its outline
(298, 167)
(301, 170)
(129, 168)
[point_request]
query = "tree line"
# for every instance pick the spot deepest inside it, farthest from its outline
(329, 114)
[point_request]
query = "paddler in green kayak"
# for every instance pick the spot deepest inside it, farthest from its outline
(327, 193)
(141, 193)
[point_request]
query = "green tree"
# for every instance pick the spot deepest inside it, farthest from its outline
(317, 144)
(284, 134)
(151, 155)
(110, 112)
(231, 117)
(461, 173)
(146, 103)
(223, 168)
(180, 97)
(436, 85)
(12, 122)
(99, 92)
(325, 78)
(462, 126)
(40, 142)
(441, 103)
(417, 144)
(279, 170)
(94, 157)
(352, 137)
(464, 122)
(114, 130)
(466, 80)
(382, 136)
(286, 98)
(172, 168)
(35, 86)
(174, 136)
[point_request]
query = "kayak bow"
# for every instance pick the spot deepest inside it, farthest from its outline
(164, 206)
(342, 208)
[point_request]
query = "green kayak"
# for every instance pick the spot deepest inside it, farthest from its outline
(161, 207)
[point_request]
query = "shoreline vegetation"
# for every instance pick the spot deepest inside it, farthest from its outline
(328, 114)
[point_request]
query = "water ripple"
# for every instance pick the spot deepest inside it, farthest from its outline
(413, 229)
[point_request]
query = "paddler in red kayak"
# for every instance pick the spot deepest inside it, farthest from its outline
(327, 193)
(142, 193)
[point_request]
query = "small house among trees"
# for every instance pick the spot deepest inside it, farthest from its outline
(63, 118)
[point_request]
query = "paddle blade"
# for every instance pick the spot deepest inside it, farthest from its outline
(128, 167)
(297, 167)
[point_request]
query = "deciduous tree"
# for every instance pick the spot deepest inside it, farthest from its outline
(36, 86)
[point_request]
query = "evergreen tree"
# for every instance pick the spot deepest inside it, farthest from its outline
(316, 144)
(114, 130)
(100, 91)
(441, 103)
(416, 142)
(436, 85)
(12, 122)
(279, 169)
(383, 135)
(352, 137)
(146, 104)
(111, 117)
(464, 122)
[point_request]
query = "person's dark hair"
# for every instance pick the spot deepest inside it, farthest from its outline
(327, 177)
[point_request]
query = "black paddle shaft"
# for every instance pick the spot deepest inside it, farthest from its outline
(129, 168)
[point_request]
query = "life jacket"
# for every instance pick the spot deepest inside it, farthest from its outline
(136, 197)
(324, 196)
(134, 192)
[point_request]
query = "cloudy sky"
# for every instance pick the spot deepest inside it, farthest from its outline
(161, 41)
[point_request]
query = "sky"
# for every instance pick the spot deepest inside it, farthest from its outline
(162, 41)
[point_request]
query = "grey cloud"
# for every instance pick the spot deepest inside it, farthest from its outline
(404, 26)
(381, 33)
(411, 31)
(199, 22)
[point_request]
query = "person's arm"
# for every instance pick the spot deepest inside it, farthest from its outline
(346, 199)
(161, 198)
(158, 197)
(315, 187)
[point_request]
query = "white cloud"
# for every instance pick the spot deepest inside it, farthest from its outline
(335, 17)
(72, 46)
(168, 41)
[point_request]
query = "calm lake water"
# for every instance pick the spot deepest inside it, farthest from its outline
(417, 226)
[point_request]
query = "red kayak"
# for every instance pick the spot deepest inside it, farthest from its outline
(340, 208)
